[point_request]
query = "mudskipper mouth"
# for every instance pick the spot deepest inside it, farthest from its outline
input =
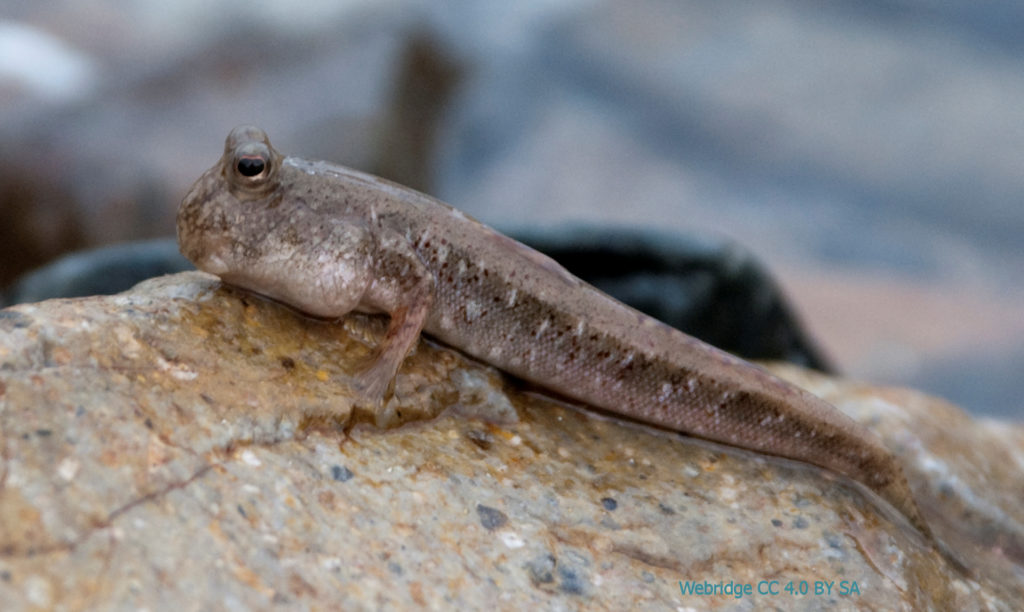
(206, 252)
(214, 265)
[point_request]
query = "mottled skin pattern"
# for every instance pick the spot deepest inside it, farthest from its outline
(329, 240)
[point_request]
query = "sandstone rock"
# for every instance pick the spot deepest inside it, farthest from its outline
(187, 446)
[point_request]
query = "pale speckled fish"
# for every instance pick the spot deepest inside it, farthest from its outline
(328, 240)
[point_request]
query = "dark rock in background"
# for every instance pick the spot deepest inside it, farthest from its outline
(102, 271)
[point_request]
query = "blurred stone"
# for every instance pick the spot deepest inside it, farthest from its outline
(187, 445)
(426, 79)
(101, 271)
(40, 220)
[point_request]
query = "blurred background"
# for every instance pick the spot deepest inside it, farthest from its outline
(869, 152)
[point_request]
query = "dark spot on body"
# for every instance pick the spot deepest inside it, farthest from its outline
(776, 523)
(288, 363)
(609, 503)
(44, 433)
(241, 511)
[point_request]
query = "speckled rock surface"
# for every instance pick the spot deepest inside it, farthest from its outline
(184, 446)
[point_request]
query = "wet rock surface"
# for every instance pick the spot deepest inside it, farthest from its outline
(184, 444)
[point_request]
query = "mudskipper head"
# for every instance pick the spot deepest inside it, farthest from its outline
(268, 224)
(219, 220)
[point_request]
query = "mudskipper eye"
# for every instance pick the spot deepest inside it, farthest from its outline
(250, 166)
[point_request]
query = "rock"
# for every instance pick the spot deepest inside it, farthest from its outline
(184, 445)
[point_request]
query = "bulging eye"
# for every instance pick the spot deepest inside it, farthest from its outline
(250, 166)
(252, 161)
